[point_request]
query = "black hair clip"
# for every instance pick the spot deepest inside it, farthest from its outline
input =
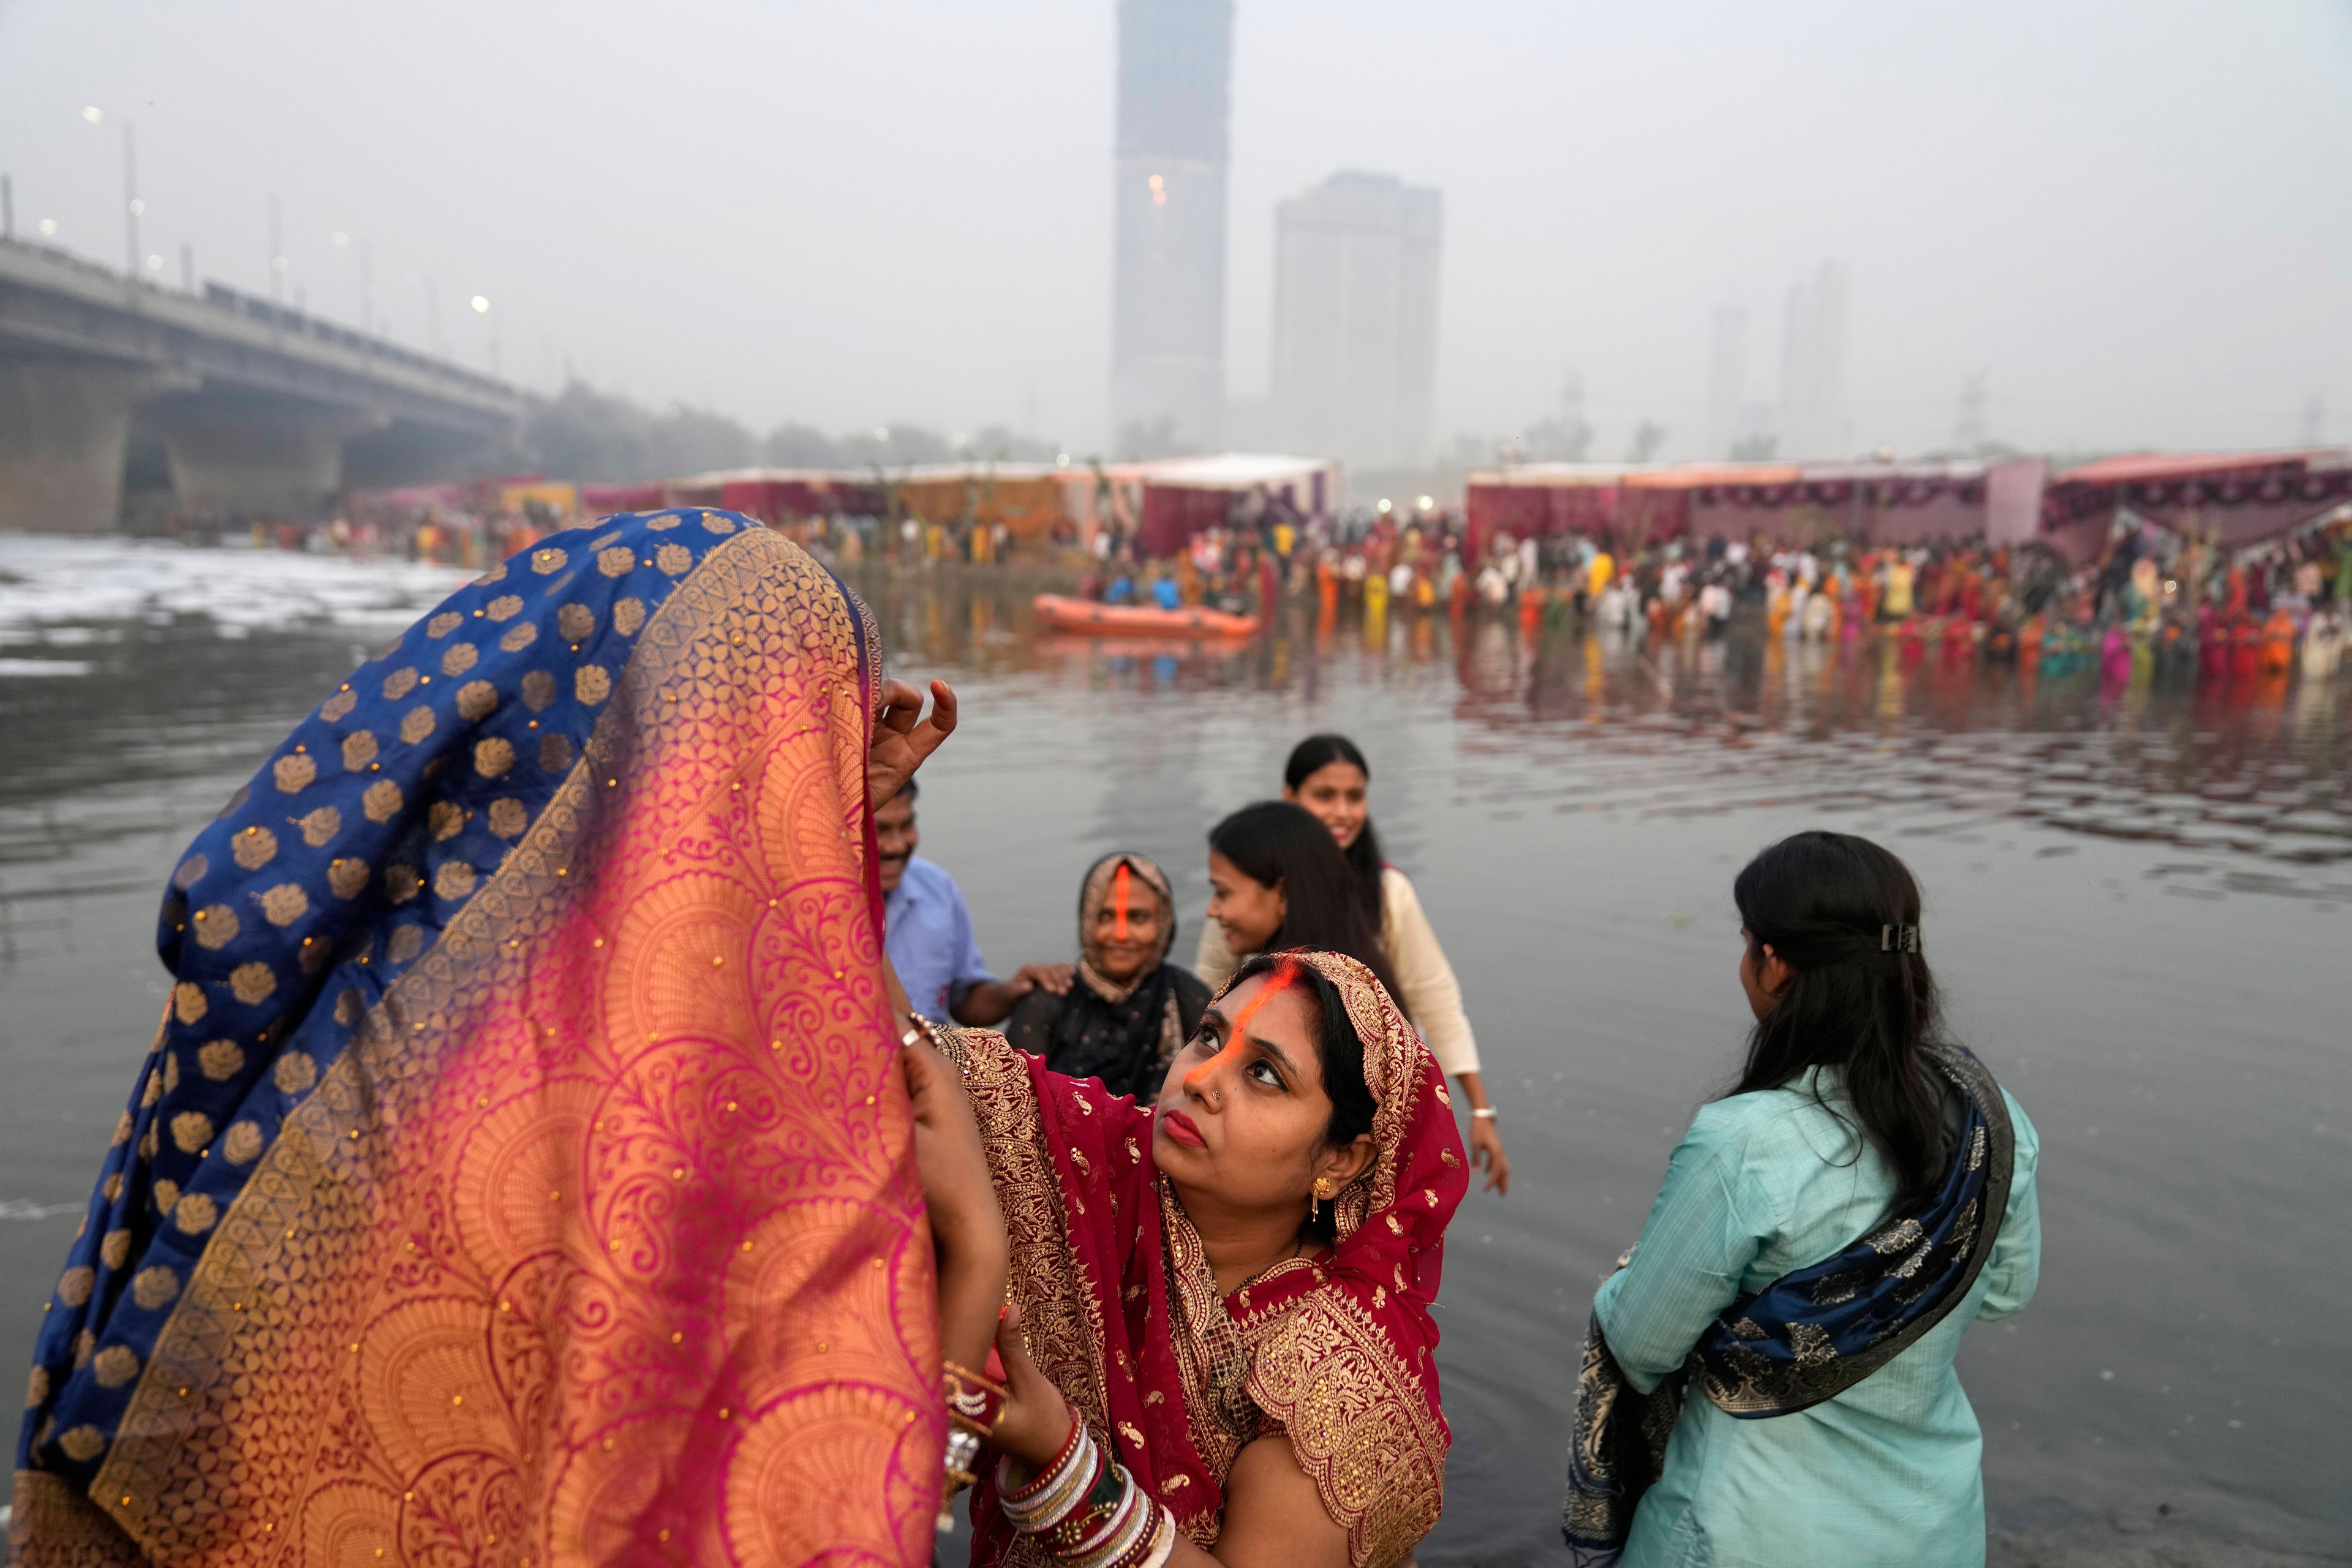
(1898, 939)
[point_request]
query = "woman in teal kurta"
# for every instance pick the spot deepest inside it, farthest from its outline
(1762, 1185)
(1833, 1428)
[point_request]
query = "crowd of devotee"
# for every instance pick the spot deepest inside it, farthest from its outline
(585, 1128)
(2151, 603)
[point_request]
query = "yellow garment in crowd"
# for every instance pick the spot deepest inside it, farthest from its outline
(1600, 573)
(1898, 590)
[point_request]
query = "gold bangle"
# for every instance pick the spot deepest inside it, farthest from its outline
(962, 1374)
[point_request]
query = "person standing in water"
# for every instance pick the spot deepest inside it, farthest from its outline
(1329, 777)
(1129, 1010)
(929, 931)
(1768, 1374)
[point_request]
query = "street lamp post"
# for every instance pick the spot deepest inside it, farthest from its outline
(276, 258)
(131, 206)
(482, 307)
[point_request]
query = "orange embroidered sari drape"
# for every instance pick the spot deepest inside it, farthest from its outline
(595, 1235)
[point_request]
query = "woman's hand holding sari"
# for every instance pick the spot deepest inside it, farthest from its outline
(1274, 1517)
(1036, 1420)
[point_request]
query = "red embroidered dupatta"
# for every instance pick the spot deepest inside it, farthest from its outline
(1122, 1313)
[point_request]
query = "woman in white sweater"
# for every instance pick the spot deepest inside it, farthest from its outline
(1329, 777)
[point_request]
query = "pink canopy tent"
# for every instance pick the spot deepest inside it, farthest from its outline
(1875, 503)
(2238, 499)
(1185, 496)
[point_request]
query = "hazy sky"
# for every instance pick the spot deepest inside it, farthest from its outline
(2135, 217)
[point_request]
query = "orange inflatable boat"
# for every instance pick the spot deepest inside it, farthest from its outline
(1138, 620)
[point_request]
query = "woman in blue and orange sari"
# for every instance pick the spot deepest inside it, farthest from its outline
(521, 1173)
(1769, 1375)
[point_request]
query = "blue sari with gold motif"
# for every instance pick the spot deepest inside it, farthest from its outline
(526, 1084)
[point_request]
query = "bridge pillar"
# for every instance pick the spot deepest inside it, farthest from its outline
(65, 431)
(241, 456)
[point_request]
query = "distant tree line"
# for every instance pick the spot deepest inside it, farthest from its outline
(586, 435)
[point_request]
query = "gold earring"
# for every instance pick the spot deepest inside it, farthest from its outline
(1322, 1193)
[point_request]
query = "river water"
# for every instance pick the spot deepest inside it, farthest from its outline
(2138, 900)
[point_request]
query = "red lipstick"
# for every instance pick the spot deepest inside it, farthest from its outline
(1179, 1127)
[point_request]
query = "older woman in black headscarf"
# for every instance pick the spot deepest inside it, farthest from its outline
(1128, 1011)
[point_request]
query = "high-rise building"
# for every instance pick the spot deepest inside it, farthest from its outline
(1168, 291)
(1355, 320)
(1812, 365)
(1727, 380)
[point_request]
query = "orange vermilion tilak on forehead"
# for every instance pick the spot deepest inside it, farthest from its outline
(1281, 980)
(1120, 882)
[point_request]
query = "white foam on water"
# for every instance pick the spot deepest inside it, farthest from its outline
(12, 666)
(52, 585)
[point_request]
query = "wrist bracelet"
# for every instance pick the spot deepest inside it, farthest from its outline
(1051, 1496)
(1483, 1112)
(960, 1468)
(1135, 1530)
(962, 1459)
(1112, 1522)
(975, 1404)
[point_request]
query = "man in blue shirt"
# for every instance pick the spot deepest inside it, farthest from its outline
(927, 931)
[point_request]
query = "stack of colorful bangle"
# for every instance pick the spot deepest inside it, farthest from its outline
(975, 1404)
(1087, 1510)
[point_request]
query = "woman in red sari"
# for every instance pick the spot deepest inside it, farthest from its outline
(1219, 1346)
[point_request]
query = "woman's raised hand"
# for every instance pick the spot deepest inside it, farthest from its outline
(901, 745)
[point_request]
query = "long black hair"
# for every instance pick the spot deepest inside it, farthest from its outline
(1277, 844)
(1822, 902)
(1340, 1053)
(1310, 757)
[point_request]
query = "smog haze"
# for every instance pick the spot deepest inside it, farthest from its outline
(2129, 220)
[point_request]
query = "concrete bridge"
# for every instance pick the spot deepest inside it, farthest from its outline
(263, 411)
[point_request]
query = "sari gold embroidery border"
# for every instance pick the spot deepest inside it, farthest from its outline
(55, 1525)
(177, 1466)
(1359, 1422)
(1048, 1279)
(1209, 1347)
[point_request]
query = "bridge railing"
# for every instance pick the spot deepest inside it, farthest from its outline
(272, 314)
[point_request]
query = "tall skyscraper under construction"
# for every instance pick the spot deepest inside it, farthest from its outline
(1168, 295)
